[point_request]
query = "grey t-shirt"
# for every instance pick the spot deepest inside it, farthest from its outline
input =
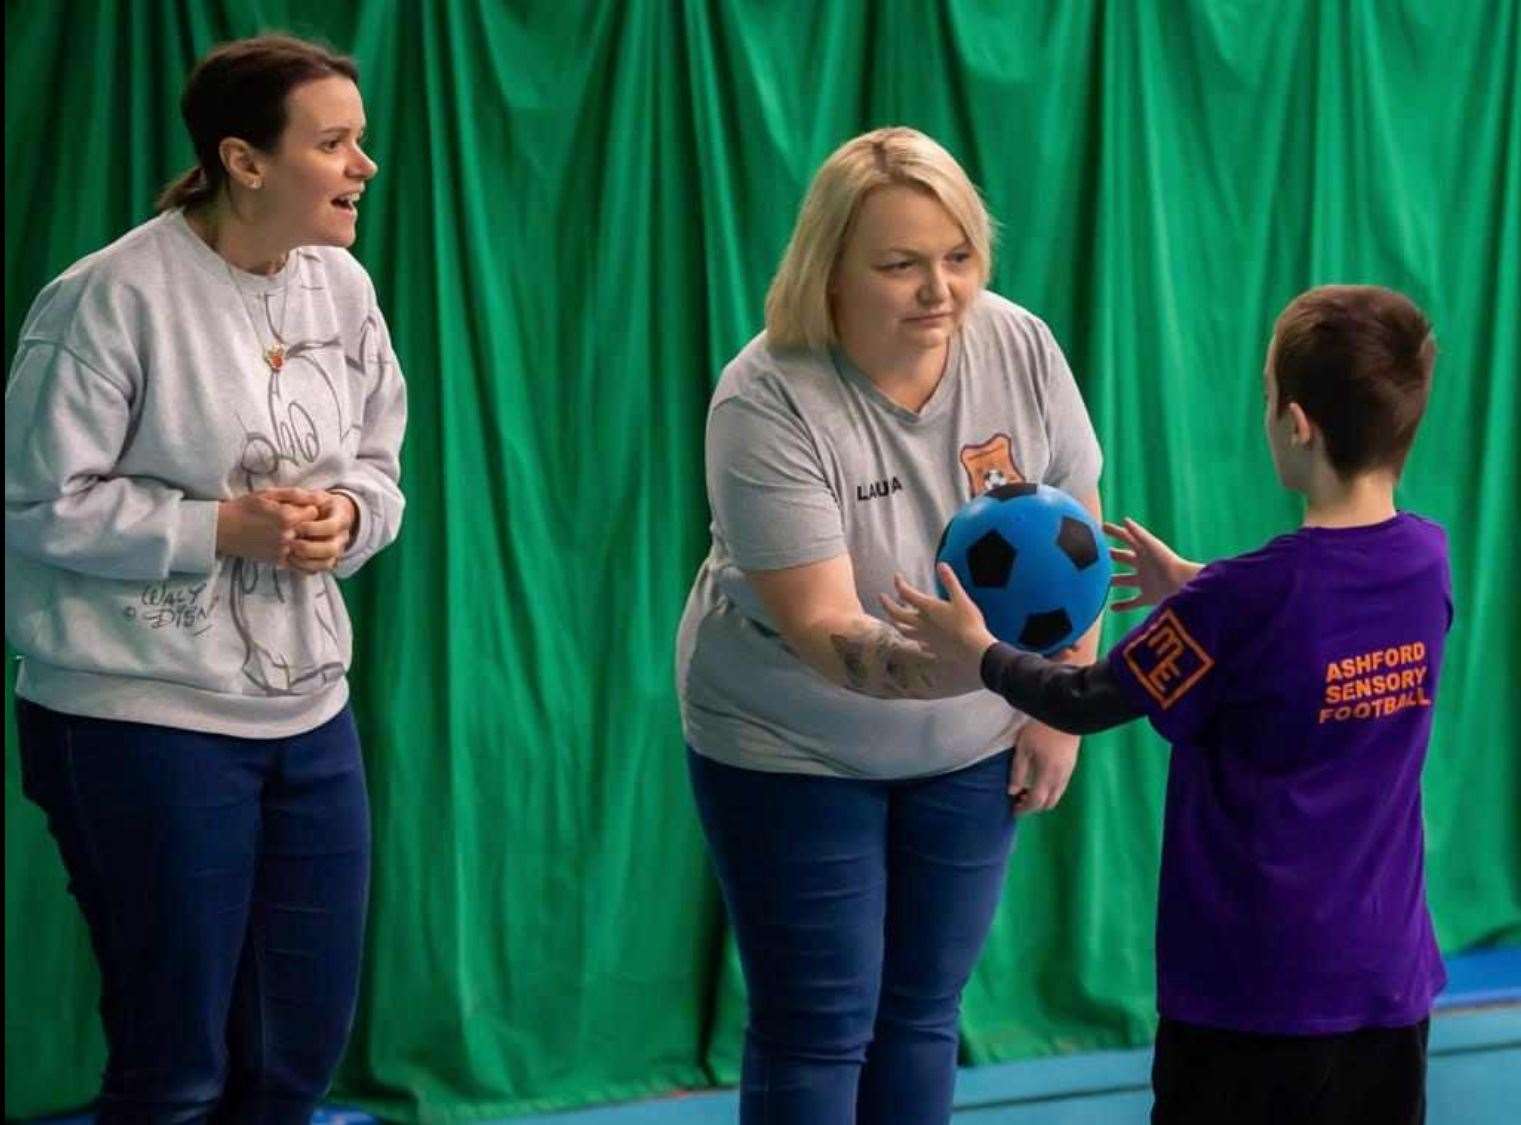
(806, 461)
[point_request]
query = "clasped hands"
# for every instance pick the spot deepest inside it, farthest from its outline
(300, 529)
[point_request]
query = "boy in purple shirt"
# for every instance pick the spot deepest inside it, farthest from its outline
(1295, 958)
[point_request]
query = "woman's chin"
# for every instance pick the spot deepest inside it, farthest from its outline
(927, 336)
(331, 234)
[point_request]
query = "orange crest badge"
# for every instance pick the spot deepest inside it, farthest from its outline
(990, 464)
(1166, 660)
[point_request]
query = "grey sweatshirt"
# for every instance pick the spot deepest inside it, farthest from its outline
(139, 398)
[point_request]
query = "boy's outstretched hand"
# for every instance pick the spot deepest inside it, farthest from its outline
(1159, 572)
(952, 632)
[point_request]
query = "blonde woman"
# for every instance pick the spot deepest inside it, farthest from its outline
(855, 799)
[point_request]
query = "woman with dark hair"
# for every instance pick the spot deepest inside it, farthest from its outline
(203, 423)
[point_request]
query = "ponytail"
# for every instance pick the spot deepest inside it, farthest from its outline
(189, 189)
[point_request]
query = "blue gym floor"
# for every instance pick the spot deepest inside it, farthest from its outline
(1474, 1074)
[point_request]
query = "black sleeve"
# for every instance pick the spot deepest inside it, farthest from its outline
(1076, 700)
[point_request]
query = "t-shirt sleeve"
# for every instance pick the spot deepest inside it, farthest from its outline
(772, 504)
(1170, 666)
(1076, 460)
(1447, 587)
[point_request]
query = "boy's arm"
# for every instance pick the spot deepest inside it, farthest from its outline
(1078, 700)
(1075, 699)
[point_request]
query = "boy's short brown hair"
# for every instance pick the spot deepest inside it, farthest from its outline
(1357, 359)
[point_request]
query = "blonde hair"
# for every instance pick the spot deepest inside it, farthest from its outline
(797, 305)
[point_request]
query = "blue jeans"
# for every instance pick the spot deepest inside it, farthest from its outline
(223, 881)
(859, 908)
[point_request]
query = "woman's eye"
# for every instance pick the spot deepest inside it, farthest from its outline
(329, 146)
(897, 267)
(961, 257)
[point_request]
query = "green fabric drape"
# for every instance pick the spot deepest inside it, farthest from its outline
(578, 210)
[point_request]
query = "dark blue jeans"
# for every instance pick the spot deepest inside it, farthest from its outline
(223, 881)
(859, 908)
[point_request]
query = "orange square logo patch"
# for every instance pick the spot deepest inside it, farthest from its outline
(990, 464)
(1166, 660)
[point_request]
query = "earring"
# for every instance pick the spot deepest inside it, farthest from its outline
(256, 185)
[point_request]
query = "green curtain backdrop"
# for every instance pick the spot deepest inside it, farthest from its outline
(577, 213)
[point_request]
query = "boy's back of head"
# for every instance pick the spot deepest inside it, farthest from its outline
(1358, 360)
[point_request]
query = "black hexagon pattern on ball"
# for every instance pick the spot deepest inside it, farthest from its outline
(1076, 541)
(990, 560)
(1042, 630)
(1009, 491)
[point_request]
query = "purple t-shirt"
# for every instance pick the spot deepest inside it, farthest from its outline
(1296, 684)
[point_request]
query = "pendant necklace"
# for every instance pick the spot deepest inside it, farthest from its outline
(274, 355)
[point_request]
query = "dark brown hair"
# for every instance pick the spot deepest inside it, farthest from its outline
(239, 90)
(1358, 360)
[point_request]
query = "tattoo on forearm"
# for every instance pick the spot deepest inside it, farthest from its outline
(852, 654)
(880, 662)
(897, 670)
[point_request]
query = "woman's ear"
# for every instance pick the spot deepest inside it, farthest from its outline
(241, 162)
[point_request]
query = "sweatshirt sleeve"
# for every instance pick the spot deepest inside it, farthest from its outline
(65, 426)
(373, 478)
